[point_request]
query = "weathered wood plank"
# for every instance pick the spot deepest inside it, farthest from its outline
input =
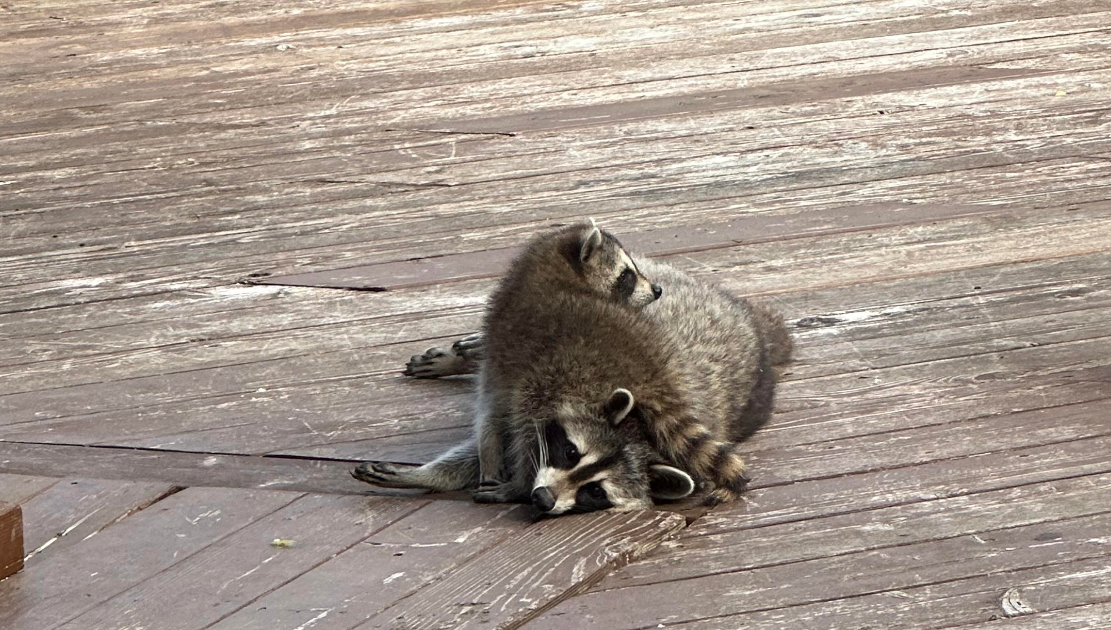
(1092, 617)
(518, 94)
(281, 314)
(943, 605)
(662, 243)
(290, 419)
(923, 400)
(743, 548)
(1083, 176)
(861, 573)
(466, 177)
(1077, 279)
(295, 309)
(185, 469)
(363, 390)
(312, 26)
(11, 539)
(524, 157)
(18, 489)
(842, 346)
(50, 592)
(895, 486)
(244, 565)
(763, 505)
(905, 297)
(806, 124)
(882, 400)
(424, 547)
(76, 509)
(811, 261)
(531, 571)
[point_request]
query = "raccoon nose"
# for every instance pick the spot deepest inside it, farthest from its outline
(657, 291)
(543, 499)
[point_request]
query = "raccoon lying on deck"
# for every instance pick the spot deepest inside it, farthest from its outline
(595, 393)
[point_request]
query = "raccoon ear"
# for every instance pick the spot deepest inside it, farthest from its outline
(590, 243)
(619, 405)
(667, 483)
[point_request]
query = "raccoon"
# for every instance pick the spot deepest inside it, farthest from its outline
(590, 265)
(591, 399)
(608, 271)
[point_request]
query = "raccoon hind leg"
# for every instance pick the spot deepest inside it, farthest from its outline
(728, 473)
(761, 400)
(696, 451)
(456, 469)
(461, 358)
(774, 332)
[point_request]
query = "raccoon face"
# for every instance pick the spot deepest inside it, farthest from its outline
(608, 270)
(589, 463)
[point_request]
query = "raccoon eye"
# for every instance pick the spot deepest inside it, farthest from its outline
(571, 452)
(626, 283)
(595, 491)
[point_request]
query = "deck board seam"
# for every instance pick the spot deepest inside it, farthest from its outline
(421, 504)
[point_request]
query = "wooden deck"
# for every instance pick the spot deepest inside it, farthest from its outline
(190, 189)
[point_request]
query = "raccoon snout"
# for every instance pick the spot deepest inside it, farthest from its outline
(543, 499)
(657, 291)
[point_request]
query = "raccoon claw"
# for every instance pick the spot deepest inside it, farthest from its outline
(382, 474)
(495, 492)
(470, 347)
(424, 365)
(436, 362)
(718, 496)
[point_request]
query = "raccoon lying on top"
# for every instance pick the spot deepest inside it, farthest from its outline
(594, 392)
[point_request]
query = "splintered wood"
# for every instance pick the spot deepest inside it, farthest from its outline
(224, 228)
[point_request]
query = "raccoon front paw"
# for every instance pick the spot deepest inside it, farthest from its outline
(433, 363)
(461, 358)
(471, 347)
(385, 474)
(720, 495)
(496, 492)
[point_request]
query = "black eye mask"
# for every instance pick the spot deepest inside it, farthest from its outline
(562, 453)
(590, 497)
(626, 283)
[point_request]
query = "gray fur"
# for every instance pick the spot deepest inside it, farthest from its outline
(560, 342)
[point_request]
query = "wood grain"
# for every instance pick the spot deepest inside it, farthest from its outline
(18, 489)
(48, 593)
(220, 579)
(177, 468)
(976, 600)
(859, 573)
(1091, 617)
(965, 515)
(921, 190)
(395, 563)
(11, 539)
(532, 571)
(74, 510)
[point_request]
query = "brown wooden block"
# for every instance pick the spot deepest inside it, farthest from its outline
(11, 539)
